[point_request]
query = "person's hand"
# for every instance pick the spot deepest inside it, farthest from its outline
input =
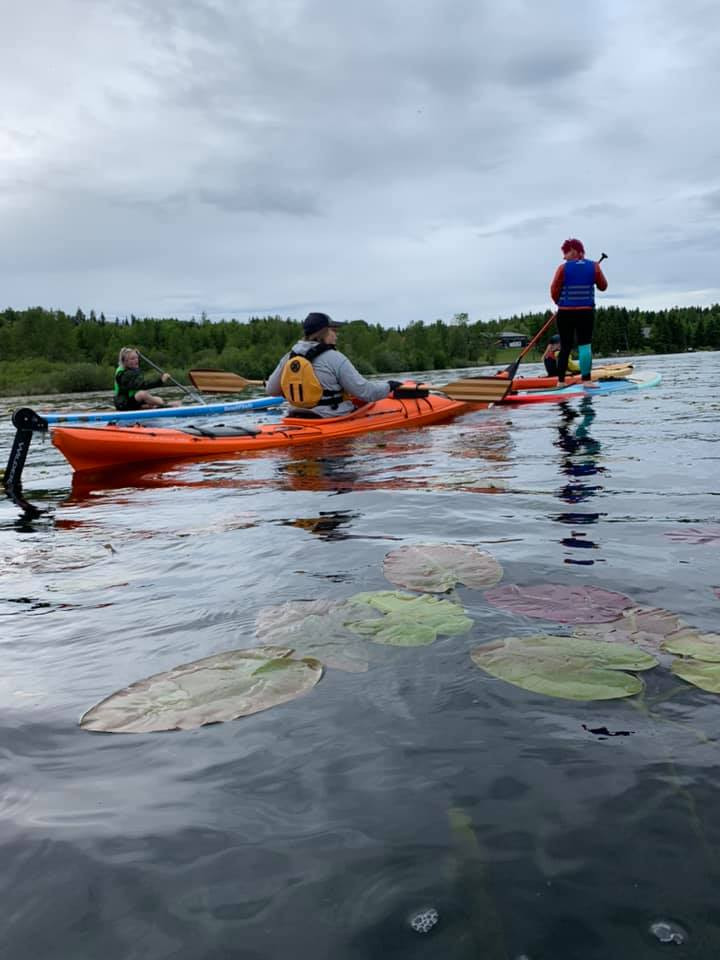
(165, 378)
(394, 384)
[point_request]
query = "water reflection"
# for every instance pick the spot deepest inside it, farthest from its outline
(579, 460)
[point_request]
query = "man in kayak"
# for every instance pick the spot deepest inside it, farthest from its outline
(573, 290)
(317, 380)
(131, 386)
(550, 357)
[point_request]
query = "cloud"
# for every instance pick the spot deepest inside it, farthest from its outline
(396, 162)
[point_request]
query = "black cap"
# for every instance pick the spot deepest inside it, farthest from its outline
(318, 321)
(555, 338)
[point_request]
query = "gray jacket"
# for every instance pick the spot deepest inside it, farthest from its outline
(335, 372)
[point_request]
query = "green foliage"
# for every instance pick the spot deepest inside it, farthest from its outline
(36, 345)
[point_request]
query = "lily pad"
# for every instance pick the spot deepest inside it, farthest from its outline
(437, 567)
(314, 628)
(645, 626)
(572, 668)
(692, 643)
(222, 687)
(698, 672)
(408, 620)
(559, 602)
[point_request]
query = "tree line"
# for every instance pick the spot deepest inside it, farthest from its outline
(52, 351)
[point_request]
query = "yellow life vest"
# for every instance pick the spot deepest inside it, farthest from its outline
(300, 385)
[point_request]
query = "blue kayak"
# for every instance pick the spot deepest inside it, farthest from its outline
(135, 416)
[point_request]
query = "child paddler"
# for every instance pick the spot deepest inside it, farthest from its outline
(317, 380)
(550, 357)
(132, 387)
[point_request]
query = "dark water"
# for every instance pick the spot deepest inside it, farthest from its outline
(317, 828)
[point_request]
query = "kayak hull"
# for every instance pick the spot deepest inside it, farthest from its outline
(639, 381)
(162, 413)
(106, 447)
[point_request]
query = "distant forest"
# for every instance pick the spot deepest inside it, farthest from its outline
(48, 351)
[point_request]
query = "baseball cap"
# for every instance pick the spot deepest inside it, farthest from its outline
(318, 321)
(555, 338)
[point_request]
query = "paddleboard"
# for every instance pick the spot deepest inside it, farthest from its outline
(636, 381)
(139, 416)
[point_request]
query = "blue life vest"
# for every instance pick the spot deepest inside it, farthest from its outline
(578, 284)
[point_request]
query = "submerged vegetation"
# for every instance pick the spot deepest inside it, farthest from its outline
(48, 351)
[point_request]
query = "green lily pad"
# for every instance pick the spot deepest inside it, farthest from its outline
(314, 628)
(698, 672)
(437, 567)
(692, 643)
(408, 620)
(572, 668)
(222, 687)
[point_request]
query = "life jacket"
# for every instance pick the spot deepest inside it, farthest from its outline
(300, 385)
(122, 394)
(578, 284)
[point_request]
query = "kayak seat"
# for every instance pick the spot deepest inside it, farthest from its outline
(220, 430)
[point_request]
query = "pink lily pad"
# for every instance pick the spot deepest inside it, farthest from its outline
(647, 627)
(559, 602)
(437, 567)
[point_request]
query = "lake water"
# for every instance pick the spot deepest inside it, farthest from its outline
(318, 828)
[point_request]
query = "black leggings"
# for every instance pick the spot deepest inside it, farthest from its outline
(572, 324)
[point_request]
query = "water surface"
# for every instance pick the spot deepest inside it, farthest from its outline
(318, 828)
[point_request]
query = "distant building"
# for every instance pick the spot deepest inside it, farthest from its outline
(508, 339)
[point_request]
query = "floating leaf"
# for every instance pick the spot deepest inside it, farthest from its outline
(698, 672)
(706, 534)
(569, 667)
(645, 626)
(314, 628)
(692, 643)
(437, 567)
(564, 604)
(222, 687)
(408, 620)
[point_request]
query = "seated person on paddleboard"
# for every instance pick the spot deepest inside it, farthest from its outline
(573, 290)
(317, 380)
(550, 357)
(132, 387)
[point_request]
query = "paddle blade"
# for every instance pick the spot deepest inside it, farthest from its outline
(220, 381)
(477, 389)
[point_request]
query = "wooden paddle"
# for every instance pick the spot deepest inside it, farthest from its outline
(476, 389)
(221, 381)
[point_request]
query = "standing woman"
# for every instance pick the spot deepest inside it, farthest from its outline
(573, 290)
(132, 389)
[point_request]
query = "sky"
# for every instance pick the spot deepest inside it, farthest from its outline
(387, 161)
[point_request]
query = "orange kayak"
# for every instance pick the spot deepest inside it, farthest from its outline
(100, 448)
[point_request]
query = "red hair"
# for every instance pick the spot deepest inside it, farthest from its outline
(573, 244)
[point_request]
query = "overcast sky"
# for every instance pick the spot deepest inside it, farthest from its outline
(391, 160)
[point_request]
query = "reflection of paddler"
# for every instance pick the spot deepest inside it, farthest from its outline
(550, 357)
